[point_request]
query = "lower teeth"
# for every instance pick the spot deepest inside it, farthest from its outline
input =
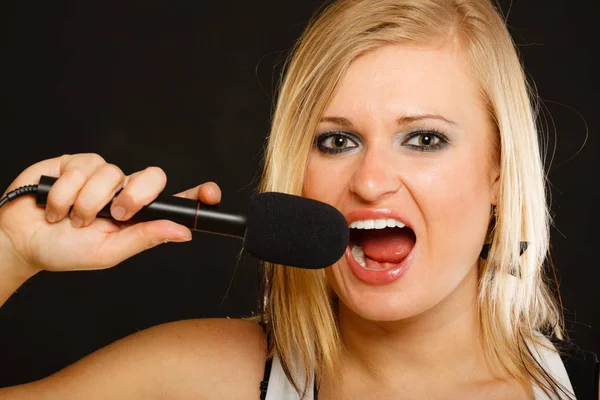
(359, 257)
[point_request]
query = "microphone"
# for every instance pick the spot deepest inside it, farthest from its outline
(279, 228)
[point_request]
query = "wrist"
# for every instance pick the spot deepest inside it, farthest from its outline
(13, 269)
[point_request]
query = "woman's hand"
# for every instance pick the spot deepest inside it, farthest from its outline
(59, 238)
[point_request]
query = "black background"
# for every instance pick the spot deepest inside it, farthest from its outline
(188, 86)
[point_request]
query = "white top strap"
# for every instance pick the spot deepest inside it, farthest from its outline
(280, 388)
(551, 361)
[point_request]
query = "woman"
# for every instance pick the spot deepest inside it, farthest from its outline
(412, 117)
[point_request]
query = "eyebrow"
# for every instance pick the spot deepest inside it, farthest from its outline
(403, 120)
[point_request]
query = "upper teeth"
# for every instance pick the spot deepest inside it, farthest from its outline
(377, 224)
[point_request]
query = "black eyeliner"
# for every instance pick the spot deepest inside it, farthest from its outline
(443, 139)
(320, 138)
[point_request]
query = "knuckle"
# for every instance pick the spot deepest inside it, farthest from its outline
(138, 195)
(62, 195)
(94, 157)
(157, 172)
(147, 238)
(83, 207)
(75, 175)
(112, 170)
(64, 158)
(57, 202)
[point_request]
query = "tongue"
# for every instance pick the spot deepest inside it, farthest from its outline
(390, 245)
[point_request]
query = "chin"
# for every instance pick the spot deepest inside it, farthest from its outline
(402, 300)
(382, 304)
(385, 314)
(384, 307)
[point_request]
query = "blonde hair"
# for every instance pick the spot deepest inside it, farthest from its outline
(514, 301)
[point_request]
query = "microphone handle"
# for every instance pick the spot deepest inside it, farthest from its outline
(191, 213)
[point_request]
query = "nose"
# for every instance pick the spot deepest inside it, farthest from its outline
(375, 176)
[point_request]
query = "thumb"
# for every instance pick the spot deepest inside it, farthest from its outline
(142, 236)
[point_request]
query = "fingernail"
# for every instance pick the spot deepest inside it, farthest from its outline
(51, 217)
(118, 212)
(181, 239)
(76, 221)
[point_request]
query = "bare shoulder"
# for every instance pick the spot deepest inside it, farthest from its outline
(190, 359)
(225, 355)
(211, 358)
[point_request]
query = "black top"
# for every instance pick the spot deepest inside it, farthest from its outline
(582, 367)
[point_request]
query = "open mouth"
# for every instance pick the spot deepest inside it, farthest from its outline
(378, 245)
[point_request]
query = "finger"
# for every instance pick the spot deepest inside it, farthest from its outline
(31, 175)
(74, 171)
(207, 193)
(139, 190)
(139, 237)
(98, 191)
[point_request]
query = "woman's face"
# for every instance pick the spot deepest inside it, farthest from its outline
(406, 138)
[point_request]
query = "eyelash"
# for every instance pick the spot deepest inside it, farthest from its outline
(442, 140)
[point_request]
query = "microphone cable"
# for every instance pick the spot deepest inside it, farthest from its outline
(18, 192)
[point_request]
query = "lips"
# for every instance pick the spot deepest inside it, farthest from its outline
(381, 245)
(390, 273)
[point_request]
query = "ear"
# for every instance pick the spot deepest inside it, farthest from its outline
(494, 184)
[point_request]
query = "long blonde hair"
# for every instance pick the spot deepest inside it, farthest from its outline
(514, 301)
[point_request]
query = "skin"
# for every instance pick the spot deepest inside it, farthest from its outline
(191, 359)
(398, 336)
(425, 324)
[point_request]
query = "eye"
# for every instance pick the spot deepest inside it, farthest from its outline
(335, 142)
(429, 140)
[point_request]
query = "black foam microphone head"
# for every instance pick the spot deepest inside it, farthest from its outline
(295, 231)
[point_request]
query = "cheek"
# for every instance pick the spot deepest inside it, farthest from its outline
(454, 198)
(325, 181)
